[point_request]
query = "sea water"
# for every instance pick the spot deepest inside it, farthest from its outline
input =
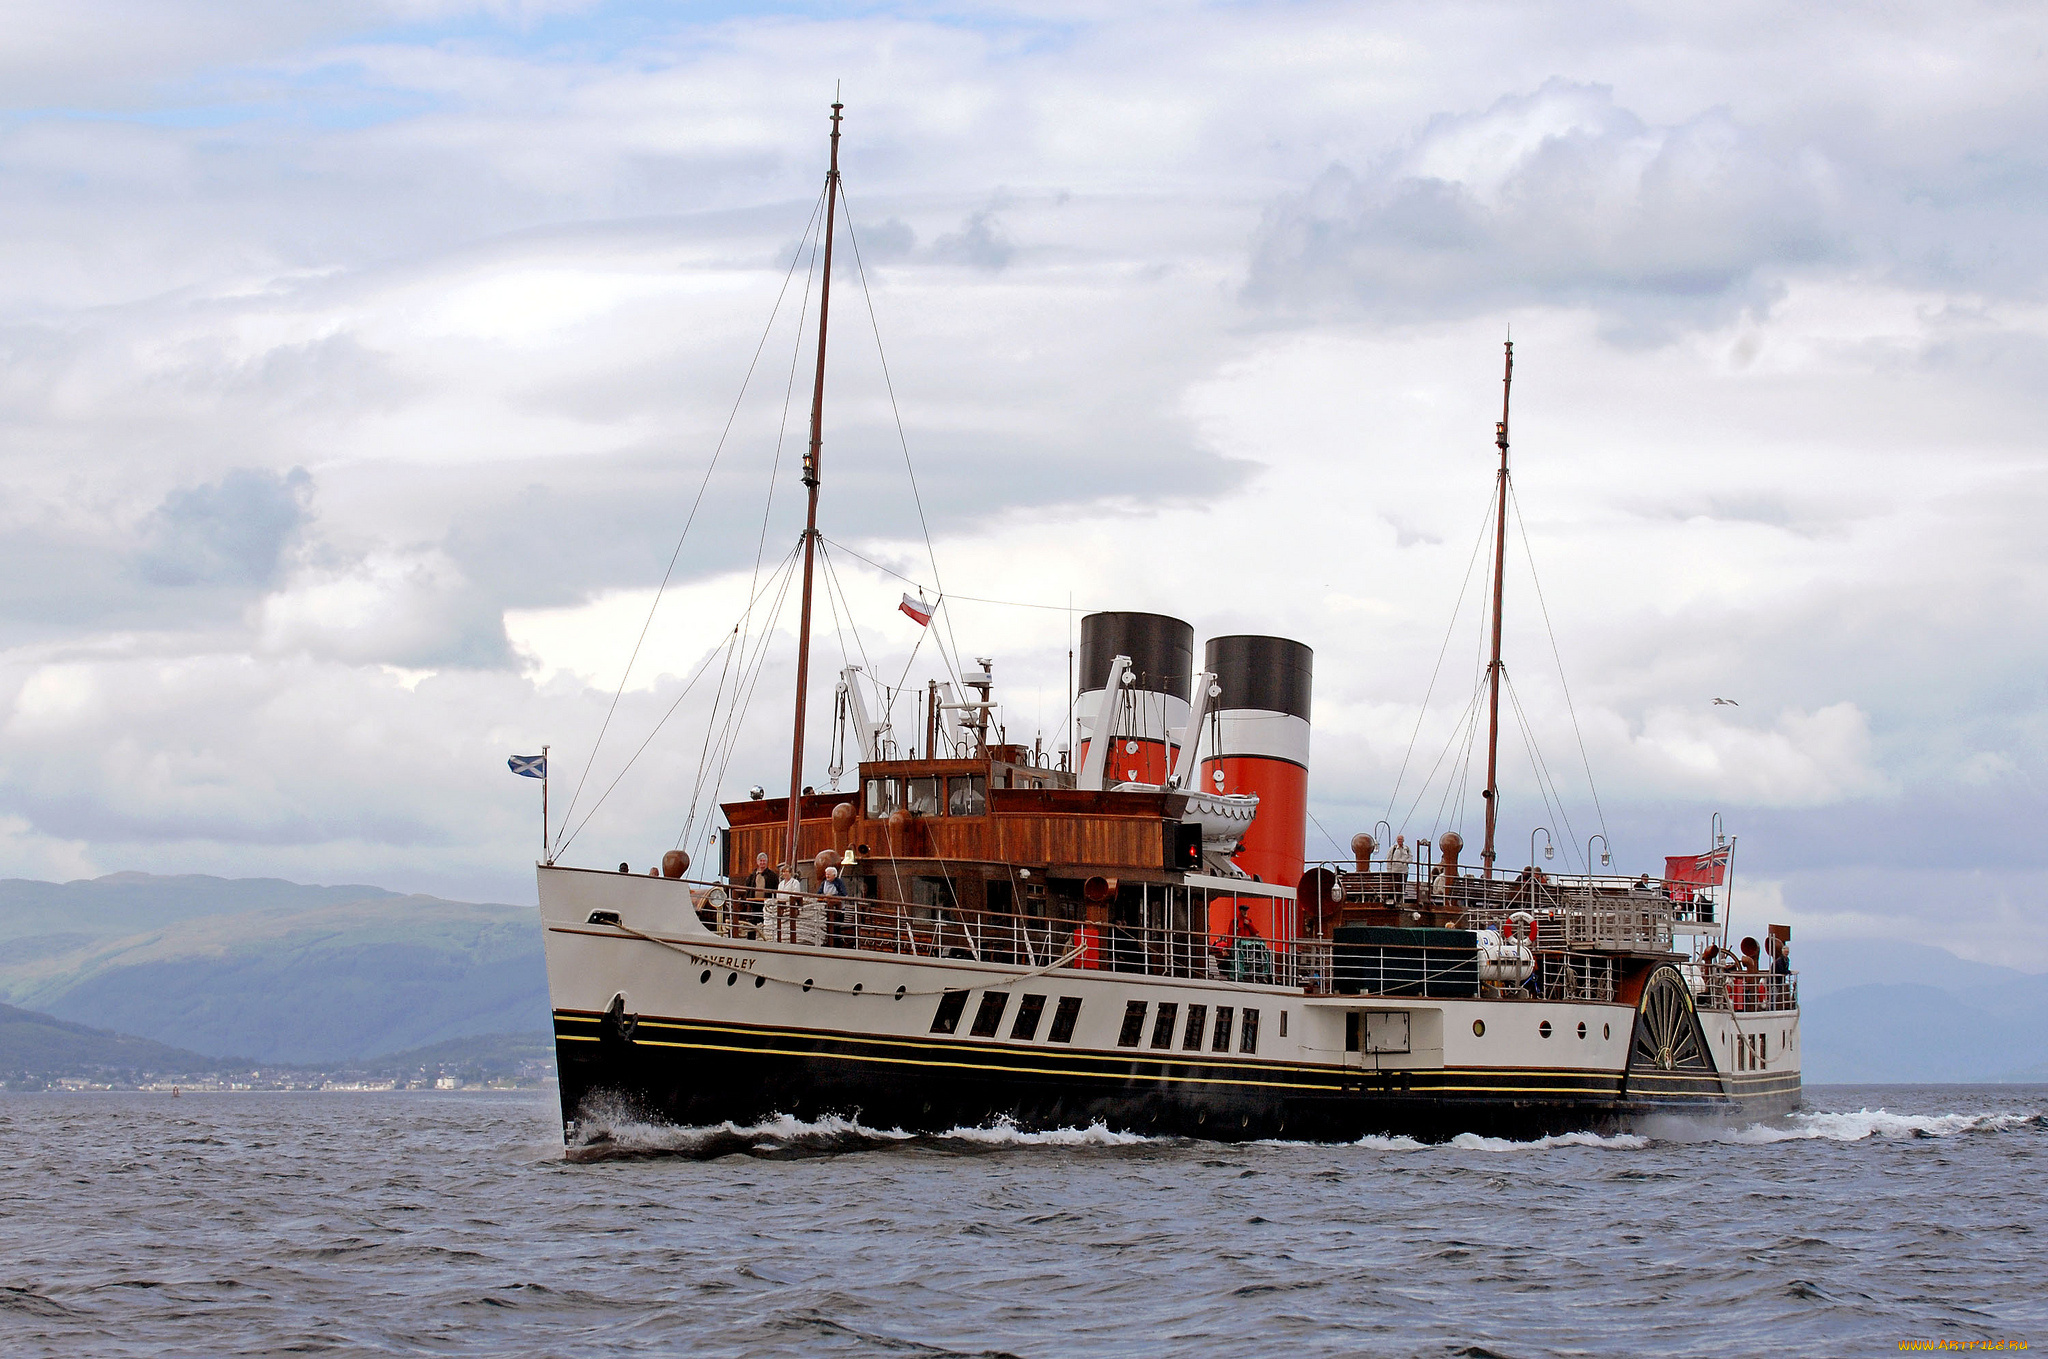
(429, 1224)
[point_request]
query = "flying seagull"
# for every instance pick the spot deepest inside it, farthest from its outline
(1729, 701)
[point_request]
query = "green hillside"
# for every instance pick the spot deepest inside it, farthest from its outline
(270, 970)
(39, 1045)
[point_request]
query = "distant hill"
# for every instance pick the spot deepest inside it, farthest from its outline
(125, 903)
(39, 1045)
(270, 970)
(1880, 1010)
(281, 972)
(481, 1057)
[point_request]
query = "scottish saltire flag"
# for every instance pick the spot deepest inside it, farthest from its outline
(917, 609)
(529, 766)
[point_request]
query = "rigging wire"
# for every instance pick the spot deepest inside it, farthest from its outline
(1450, 631)
(728, 735)
(750, 677)
(1326, 835)
(1585, 759)
(695, 504)
(965, 599)
(889, 383)
(1458, 729)
(702, 667)
(1542, 771)
(732, 647)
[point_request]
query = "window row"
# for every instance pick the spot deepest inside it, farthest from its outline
(958, 795)
(988, 1016)
(1197, 1034)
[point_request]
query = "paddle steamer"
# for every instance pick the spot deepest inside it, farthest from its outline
(1131, 936)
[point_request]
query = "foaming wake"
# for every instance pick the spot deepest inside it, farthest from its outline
(617, 1134)
(1867, 1123)
(1475, 1142)
(1611, 1141)
(1004, 1133)
(605, 1135)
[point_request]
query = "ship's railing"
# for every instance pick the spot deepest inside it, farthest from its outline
(1317, 966)
(1744, 992)
(1575, 976)
(1389, 883)
(1575, 920)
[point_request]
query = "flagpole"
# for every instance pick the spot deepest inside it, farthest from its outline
(546, 855)
(810, 479)
(1500, 566)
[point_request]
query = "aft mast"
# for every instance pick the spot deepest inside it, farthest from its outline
(1500, 559)
(803, 637)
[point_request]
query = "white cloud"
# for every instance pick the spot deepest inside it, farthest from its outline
(1562, 197)
(494, 289)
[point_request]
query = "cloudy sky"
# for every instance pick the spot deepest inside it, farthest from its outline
(361, 363)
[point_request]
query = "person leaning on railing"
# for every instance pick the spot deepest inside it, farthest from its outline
(834, 892)
(761, 887)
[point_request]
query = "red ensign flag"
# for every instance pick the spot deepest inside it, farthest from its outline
(1697, 870)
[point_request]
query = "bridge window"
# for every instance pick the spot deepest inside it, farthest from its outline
(881, 798)
(1063, 1020)
(947, 1017)
(1134, 1024)
(990, 1014)
(1198, 1027)
(1224, 1015)
(921, 796)
(1029, 1010)
(1162, 1027)
(966, 795)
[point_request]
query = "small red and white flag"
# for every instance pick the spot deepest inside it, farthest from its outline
(918, 609)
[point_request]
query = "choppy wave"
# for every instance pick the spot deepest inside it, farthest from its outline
(1869, 1123)
(619, 1134)
(609, 1135)
(395, 1223)
(1004, 1133)
(1612, 1141)
(606, 1135)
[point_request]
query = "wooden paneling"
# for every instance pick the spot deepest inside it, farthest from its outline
(1096, 842)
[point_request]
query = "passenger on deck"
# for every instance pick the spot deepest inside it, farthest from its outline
(761, 886)
(837, 922)
(1402, 859)
(1781, 971)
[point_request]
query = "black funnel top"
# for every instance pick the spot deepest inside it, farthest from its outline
(1162, 651)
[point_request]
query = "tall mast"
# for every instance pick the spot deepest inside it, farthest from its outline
(1500, 561)
(803, 635)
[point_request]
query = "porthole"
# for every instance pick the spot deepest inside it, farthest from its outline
(857, 987)
(1544, 1028)
(760, 982)
(1607, 1031)
(1479, 1028)
(704, 976)
(1582, 1028)
(900, 990)
(731, 977)
(808, 983)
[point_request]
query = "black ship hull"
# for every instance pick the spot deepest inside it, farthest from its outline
(694, 1074)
